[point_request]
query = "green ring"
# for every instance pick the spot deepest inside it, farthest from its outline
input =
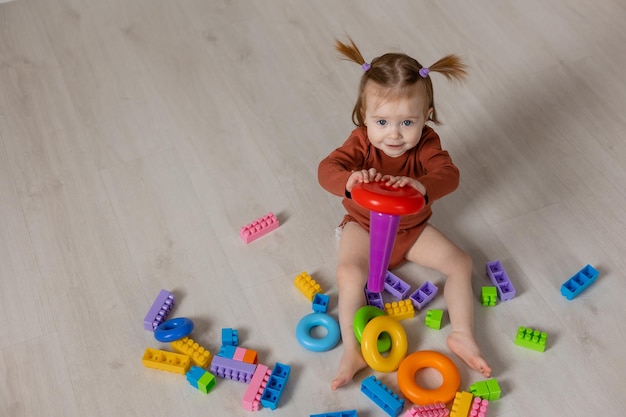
(362, 317)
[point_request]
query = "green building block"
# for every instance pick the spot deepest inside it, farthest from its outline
(489, 296)
(433, 319)
(487, 390)
(531, 339)
(206, 382)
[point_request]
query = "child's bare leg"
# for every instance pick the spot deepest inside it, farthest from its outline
(434, 250)
(352, 272)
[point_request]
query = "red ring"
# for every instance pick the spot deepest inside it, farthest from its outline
(376, 196)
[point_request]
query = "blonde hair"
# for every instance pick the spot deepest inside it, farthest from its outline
(399, 73)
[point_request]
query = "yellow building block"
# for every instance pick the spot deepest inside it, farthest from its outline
(461, 405)
(199, 355)
(166, 361)
(400, 310)
(307, 285)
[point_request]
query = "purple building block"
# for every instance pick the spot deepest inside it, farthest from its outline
(424, 295)
(374, 299)
(396, 287)
(232, 369)
(500, 279)
(159, 311)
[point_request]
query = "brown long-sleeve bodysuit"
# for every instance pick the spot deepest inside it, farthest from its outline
(426, 162)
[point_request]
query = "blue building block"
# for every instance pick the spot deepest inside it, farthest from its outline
(320, 302)
(500, 279)
(347, 413)
(227, 351)
(579, 282)
(275, 386)
(374, 299)
(424, 295)
(200, 379)
(230, 337)
(396, 287)
(382, 396)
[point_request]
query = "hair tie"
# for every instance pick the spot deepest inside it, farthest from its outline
(424, 72)
(366, 66)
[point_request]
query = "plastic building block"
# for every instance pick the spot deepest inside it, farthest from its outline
(346, 413)
(489, 296)
(232, 369)
(400, 310)
(479, 408)
(320, 302)
(531, 339)
(230, 337)
(252, 398)
(245, 355)
(487, 390)
(579, 282)
(159, 311)
(396, 287)
(430, 410)
(259, 227)
(382, 396)
(500, 279)
(166, 361)
(374, 299)
(227, 351)
(461, 405)
(433, 319)
(307, 285)
(201, 379)
(275, 386)
(199, 355)
(424, 295)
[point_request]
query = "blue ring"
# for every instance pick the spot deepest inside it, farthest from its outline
(173, 329)
(322, 344)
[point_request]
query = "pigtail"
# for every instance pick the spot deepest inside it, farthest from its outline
(350, 52)
(451, 67)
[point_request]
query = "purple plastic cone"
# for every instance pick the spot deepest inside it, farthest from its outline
(383, 229)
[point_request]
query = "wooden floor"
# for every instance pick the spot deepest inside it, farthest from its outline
(138, 136)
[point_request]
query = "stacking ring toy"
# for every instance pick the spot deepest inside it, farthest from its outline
(399, 346)
(173, 329)
(428, 359)
(362, 317)
(322, 344)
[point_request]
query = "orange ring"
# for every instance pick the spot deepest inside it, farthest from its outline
(369, 344)
(428, 359)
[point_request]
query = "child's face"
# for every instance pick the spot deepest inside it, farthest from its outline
(394, 124)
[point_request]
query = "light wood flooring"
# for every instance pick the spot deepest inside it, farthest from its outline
(138, 136)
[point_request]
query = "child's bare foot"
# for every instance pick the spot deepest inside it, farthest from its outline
(351, 363)
(465, 347)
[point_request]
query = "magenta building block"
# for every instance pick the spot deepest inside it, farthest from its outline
(424, 295)
(383, 229)
(500, 279)
(396, 287)
(232, 369)
(159, 311)
(374, 299)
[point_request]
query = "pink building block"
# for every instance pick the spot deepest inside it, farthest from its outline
(252, 398)
(479, 408)
(430, 410)
(259, 227)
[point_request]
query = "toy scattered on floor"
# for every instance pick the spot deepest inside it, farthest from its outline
(230, 337)
(307, 285)
(199, 356)
(579, 282)
(361, 318)
(489, 296)
(428, 359)
(201, 379)
(462, 404)
(322, 344)
(386, 205)
(386, 399)
(400, 310)
(487, 390)
(369, 344)
(430, 410)
(531, 339)
(159, 311)
(433, 319)
(374, 299)
(173, 329)
(252, 398)
(424, 295)
(275, 386)
(346, 413)
(500, 279)
(166, 361)
(396, 287)
(258, 228)
(320, 303)
(231, 369)
(479, 408)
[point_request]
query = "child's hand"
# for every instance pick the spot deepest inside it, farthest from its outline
(397, 182)
(364, 175)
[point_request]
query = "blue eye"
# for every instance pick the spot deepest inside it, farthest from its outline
(381, 122)
(407, 123)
